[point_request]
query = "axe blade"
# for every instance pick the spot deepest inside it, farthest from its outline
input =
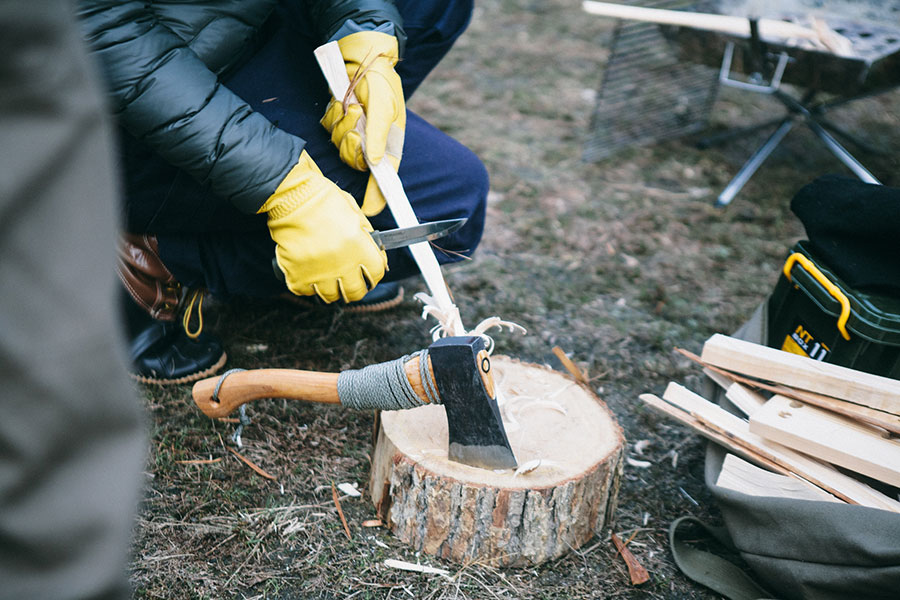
(476, 433)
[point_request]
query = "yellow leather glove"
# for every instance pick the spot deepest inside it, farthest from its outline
(322, 238)
(370, 58)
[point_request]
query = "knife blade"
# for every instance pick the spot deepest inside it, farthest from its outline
(404, 236)
(424, 232)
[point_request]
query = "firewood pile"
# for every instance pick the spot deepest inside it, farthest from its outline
(813, 430)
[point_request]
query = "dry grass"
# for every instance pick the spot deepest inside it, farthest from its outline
(616, 262)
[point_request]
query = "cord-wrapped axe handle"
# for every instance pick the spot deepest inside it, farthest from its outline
(241, 387)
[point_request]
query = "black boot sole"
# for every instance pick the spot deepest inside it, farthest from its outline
(186, 379)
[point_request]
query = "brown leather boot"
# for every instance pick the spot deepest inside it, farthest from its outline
(162, 350)
(146, 278)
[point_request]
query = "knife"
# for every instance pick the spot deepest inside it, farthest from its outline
(404, 236)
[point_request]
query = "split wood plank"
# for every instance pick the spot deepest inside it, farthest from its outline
(823, 475)
(834, 438)
(872, 416)
(719, 378)
(725, 441)
(746, 400)
(802, 372)
(741, 476)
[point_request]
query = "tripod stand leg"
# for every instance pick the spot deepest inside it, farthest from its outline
(726, 136)
(841, 153)
(755, 161)
(840, 132)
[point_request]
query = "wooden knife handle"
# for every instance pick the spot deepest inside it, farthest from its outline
(242, 387)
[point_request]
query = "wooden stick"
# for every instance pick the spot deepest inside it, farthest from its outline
(802, 372)
(252, 465)
(570, 366)
(769, 29)
(332, 64)
(340, 511)
(834, 438)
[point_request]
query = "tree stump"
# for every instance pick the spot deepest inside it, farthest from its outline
(503, 518)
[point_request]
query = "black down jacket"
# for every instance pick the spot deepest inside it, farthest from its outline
(161, 60)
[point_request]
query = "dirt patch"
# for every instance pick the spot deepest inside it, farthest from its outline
(616, 262)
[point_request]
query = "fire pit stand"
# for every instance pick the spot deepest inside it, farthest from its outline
(827, 79)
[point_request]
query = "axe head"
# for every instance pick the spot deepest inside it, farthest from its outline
(462, 375)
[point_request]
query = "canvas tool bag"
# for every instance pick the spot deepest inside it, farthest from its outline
(785, 548)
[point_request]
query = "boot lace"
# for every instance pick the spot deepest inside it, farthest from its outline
(195, 301)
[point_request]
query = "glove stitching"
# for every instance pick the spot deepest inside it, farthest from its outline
(293, 198)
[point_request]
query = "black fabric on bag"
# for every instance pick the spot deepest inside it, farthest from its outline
(802, 549)
(854, 228)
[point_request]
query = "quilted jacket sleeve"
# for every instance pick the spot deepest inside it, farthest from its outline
(164, 95)
(329, 15)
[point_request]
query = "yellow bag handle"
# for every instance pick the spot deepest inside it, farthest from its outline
(832, 289)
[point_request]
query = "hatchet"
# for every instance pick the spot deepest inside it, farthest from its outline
(453, 371)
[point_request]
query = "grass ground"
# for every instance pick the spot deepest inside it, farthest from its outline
(616, 262)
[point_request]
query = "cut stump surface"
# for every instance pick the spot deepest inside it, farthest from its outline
(464, 513)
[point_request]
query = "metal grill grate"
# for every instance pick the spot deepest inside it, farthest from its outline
(647, 94)
(662, 84)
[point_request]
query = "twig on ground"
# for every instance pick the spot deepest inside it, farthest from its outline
(636, 570)
(252, 465)
(570, 366)
(340, 511)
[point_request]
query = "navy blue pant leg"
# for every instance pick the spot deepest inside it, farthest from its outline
(431, 28)
(208, 243)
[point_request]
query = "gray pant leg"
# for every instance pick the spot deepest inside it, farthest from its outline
(72, 442)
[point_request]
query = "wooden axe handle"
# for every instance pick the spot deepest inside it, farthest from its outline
(242, 387)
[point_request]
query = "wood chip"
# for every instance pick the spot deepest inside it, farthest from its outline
(337, 504)
(408, 566)
(372, 523)
(199, 461)
(640, 446)
(570, 366)
(349, 490)
(251, 464)
(527, 467)
(636, 570)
